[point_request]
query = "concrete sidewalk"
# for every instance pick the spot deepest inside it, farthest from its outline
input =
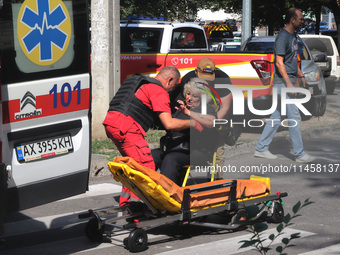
(314, 127)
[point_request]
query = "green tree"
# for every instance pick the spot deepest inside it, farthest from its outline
(271, 12)
(268, 13)
(181, 10)
(264, 12)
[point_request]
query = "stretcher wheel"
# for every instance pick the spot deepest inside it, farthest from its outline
(93, 232)
(239, 219)
(278, 213)
(137, 240)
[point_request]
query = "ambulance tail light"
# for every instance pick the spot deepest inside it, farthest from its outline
(263, 69)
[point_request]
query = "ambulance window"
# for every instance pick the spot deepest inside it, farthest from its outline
(140, 40)
(187, 38)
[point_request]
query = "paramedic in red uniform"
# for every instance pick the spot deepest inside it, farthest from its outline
(134, 108)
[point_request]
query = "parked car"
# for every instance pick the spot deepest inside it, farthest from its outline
(310, 29)
(213, 46)
(331, 69)
(217, 33)
(316, 48)
(314, 78)
(231, 45)
(323, 26)
(237, 34)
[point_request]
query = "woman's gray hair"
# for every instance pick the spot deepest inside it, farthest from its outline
(198, 85)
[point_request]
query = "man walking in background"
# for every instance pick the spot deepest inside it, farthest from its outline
(286, 73)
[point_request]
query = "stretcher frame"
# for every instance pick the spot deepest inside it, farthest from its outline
(141, 221)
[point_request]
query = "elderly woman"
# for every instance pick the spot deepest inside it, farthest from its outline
(177, 154)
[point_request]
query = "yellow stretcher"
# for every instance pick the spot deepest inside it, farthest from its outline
(165, 202)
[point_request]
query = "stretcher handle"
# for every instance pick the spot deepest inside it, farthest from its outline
(225, 184)
(84, 215)
(283, 194)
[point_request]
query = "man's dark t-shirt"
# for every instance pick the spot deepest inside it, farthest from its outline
(286, 45)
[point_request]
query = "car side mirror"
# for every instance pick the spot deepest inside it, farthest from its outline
(320, 58)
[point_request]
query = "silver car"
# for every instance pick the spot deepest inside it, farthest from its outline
(313, 75)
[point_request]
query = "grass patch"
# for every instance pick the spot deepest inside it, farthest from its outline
(245, 140)
(106, 147)
(153, 137)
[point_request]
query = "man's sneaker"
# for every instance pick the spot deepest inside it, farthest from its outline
(305, 159)
(264, 154)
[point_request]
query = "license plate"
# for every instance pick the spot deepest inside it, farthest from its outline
(321, 64)
(44, 148)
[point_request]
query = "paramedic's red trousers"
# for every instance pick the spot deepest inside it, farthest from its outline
(131, 144)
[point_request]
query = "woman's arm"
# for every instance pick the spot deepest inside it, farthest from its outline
(205, 120)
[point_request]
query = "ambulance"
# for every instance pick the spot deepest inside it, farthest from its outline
(45, 101)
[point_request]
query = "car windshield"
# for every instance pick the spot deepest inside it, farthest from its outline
(319, 44)
(231, 48)
(260, 46)
(268, 47)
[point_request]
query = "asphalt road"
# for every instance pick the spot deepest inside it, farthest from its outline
(55, 229)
